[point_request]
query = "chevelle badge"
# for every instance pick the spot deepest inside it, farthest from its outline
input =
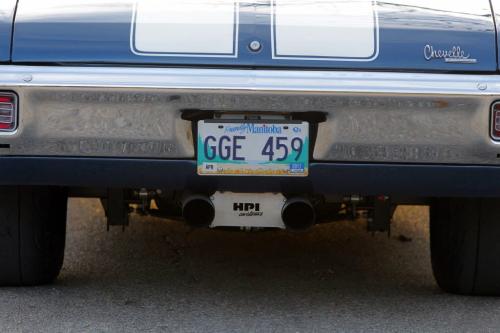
(453, 55)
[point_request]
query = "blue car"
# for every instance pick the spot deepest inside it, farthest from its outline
(252, 114)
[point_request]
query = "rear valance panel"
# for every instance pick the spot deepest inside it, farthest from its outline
(7, 9)
(445, 35)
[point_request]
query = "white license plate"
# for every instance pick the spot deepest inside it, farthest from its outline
(253, 148)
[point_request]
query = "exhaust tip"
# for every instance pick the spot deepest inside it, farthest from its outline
(298, 214)
(198, 211)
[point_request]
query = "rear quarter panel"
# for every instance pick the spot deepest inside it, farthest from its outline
(495, 5)
(7, 9)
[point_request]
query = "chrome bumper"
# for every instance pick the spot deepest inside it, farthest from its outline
(135, 112)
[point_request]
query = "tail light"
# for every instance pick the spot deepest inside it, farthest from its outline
(8, 112)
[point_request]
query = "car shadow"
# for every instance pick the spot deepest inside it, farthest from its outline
(329, 258)
(160, 275)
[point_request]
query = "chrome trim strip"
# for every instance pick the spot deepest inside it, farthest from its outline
(250, 80)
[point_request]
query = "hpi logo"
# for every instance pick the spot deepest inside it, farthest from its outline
(247, 209)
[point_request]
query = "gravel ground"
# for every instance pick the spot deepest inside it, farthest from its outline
(160, 276)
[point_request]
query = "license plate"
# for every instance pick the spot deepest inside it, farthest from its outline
(253, 148)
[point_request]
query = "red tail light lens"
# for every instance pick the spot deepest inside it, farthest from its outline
(8, 112)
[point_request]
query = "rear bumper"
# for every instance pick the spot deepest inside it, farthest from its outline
(136, 112)
(419, 135)
(408, 180)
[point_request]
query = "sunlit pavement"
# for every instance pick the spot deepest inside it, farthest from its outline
(160, 276)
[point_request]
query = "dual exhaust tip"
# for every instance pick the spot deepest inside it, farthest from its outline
(298, 213)
(198, 211)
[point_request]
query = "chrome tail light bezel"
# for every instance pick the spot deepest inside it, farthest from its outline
(9, 126)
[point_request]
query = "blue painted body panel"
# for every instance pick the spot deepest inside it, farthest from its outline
(495, 6)
(7, 8)
(92, 32)
(326, 178)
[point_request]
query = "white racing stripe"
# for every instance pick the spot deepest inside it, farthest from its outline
(339, 30)
(203, 28)
(325, 30)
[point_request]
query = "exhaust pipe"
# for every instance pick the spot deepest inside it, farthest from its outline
(298, 214)
(198, 210)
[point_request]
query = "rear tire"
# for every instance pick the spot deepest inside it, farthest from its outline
(32, 234)
(465, 245)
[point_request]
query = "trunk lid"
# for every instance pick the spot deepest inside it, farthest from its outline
(412, 35)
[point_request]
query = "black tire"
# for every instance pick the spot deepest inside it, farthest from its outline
(32, 234)
(465, 245)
